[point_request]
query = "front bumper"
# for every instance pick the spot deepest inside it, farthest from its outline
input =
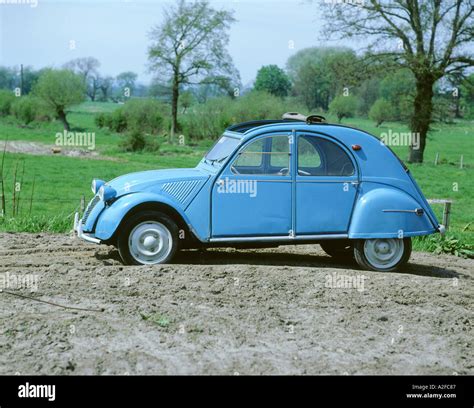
(80, 233)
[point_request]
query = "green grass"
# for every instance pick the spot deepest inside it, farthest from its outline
(60, 181)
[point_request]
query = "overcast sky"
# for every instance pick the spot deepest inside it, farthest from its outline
(116, 32)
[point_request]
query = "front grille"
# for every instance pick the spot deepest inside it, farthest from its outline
(89, 208)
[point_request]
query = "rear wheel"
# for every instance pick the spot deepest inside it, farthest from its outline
(148, 238)
(382, 254)
(338, 248)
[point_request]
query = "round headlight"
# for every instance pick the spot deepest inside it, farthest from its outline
(107, 193)
(96, 185)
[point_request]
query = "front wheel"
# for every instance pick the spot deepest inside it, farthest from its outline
(382, 254)
(148, 238)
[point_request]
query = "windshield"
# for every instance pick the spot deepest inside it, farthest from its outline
(223, 148)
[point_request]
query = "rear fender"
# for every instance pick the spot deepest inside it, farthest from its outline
(385, 212)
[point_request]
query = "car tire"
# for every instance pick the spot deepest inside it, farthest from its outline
(338, 248)
(382, 255)
(148, 238)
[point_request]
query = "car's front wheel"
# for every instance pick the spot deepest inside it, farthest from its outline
(148, 238)
(382, 254)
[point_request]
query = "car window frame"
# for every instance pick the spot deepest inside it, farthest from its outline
(266, 156)
(322, 155)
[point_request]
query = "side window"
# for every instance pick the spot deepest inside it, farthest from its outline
(266, 156)
(250, 160)
(280, 156)
(321, 157)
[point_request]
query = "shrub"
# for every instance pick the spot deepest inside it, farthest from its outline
(117, 121)
(381, 111)
(343, 106)
(209, 120)
(133, 141)
(145, 115)
(6, 100)
(28, 108)
(136, 140)
(100, 120)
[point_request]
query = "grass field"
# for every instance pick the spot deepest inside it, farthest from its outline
(60, 181)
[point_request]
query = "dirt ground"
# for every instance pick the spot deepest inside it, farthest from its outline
(278, 311)
(42, 149)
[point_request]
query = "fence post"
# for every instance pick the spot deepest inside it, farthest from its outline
(446, 214)
(462, 161)
(436, 159)
(83, 203)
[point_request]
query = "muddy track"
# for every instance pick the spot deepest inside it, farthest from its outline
(276, 311)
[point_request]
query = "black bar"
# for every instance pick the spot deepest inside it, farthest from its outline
(454, 390)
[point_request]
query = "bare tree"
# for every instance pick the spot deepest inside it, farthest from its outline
(87, 68)
(429, 37)
(189, 47)
(83, 66)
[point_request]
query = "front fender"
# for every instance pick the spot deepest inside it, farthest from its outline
(385, 212)
(112, 215)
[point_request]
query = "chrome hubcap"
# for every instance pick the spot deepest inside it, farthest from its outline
(383, 253)
(150, 242)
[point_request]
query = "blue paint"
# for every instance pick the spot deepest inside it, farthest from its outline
(229, 198)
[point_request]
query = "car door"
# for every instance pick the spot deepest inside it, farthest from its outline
(326, 186)
(253, 194)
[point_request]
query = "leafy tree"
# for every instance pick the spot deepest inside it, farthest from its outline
(190, 47)
(320, 73)
(126, 80)
(466, 95)
(381, 111)
(60, 89)
(426, 36)
(397, 87)
(368, 92)
(7, 78)
(273, 80)
(343, 106)
(6, 100)
(105, 85)
(187, 99)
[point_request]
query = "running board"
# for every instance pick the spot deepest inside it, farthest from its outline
(280, 238)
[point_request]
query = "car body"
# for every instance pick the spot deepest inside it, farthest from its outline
(268, 183)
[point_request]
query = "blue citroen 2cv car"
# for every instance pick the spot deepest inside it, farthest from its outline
(267, 183)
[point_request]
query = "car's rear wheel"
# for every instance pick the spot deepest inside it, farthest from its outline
(338, 248)
(148, 238)
(382, 254)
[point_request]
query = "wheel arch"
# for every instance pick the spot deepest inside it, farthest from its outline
(111, 221)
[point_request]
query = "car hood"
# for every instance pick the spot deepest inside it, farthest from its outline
(153, 180)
